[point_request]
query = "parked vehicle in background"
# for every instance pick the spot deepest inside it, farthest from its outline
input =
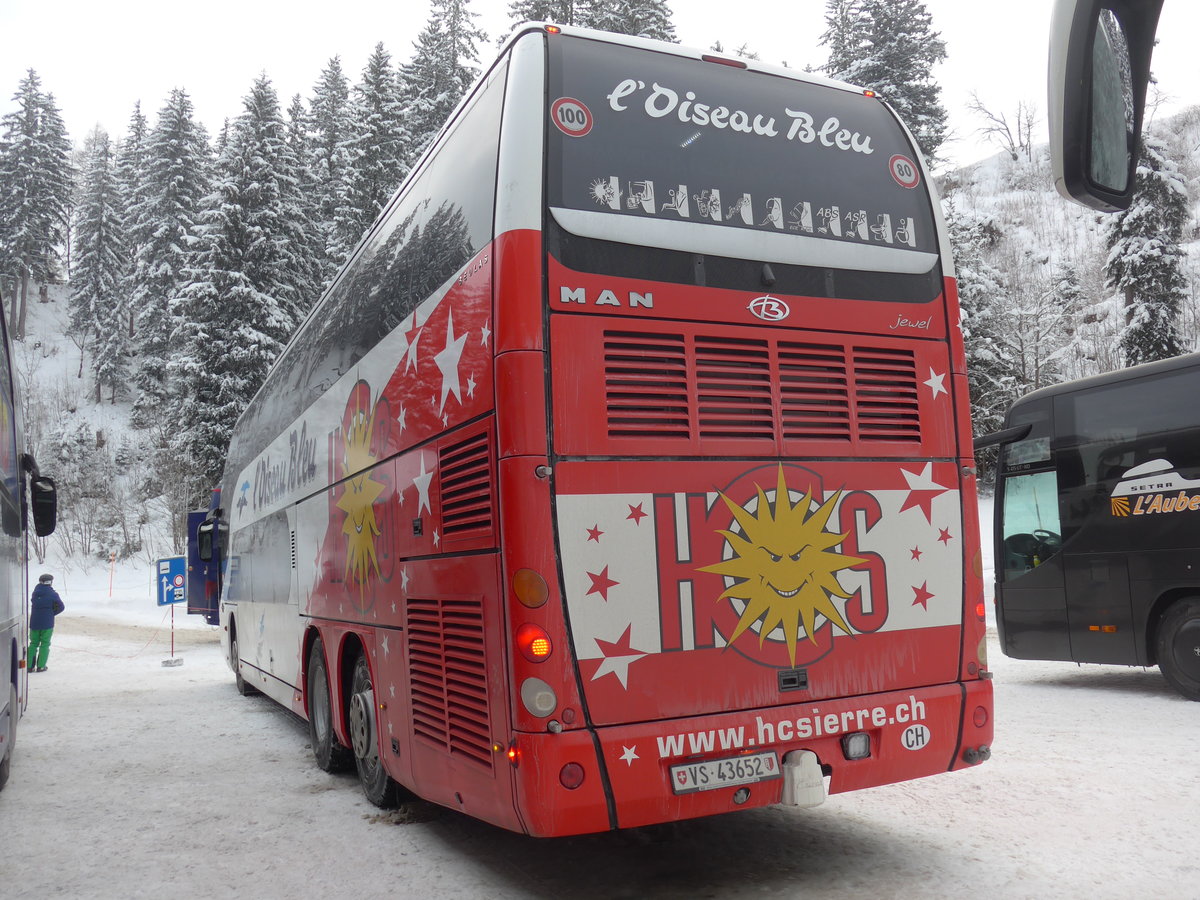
(1098, 522)
(20, 484)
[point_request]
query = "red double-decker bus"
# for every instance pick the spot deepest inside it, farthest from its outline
(624, 475)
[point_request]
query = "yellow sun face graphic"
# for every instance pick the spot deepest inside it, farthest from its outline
(784, 565)
(358, 499)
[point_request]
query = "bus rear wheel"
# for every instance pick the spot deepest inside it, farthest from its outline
(377, 785)
(10, 739)
(1178, 647)
(243, 686)
(330, 755)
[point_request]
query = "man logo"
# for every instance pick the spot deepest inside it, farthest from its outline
(769, 309)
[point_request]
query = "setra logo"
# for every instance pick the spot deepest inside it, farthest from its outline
(769, 309)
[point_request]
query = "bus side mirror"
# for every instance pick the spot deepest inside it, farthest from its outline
(43, 498)
(206, 540)
(1099, 69)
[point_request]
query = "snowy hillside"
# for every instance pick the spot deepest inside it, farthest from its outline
(1034, 233)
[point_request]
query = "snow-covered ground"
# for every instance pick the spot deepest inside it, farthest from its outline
(137, 780)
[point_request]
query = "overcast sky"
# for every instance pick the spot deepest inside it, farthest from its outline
(99, 58)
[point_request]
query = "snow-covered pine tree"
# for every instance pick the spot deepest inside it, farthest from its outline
(35, 193)
(641, 18)
(890, 46)
(375, 152)
(1146, 260)
(301, 147)
(131, 180)
(982, 298)
(564, 12)
(329, 126)
(444, 64)
(250, 280)
(97, 301)
(161, 225)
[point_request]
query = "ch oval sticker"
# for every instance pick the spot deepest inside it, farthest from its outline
(915, 737)
(769, 309)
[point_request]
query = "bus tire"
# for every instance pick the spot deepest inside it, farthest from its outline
(10, 739)
(243, 686)
(1177, 646)
(331, 756)
(377, 785)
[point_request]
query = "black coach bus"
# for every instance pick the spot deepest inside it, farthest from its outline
(1097, 522)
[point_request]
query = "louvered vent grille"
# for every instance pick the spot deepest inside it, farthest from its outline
(725, 387)
(733, 388)
(466, 486)
(448, 677)
(815, 391)
(646, 385)
(885, 395)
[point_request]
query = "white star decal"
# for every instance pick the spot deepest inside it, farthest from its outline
(410, 358)
(629, 755)
(447, 362)
(393, 609)
(935, 383)
(486, 332)
(422, 484)
(437, 540)
(404, 578)
(471, 385)
(392, 690)
(619, 666)
(402, 418)
(386, 648)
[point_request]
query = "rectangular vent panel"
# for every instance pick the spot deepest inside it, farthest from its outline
(885, 394)
(694, 388)
(646, 385)
(448, 677)
(466, 486)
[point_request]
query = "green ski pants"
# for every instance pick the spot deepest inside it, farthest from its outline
(39, 648)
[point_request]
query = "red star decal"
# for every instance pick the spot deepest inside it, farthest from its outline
(594, 533)
(922, 497)
(944, 535)
(635, 513)
(601, 583)
(916, 553)
(923, 596)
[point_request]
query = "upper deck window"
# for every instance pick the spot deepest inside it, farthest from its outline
(657, 150)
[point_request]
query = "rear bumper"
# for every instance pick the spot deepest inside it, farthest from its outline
(913, 733)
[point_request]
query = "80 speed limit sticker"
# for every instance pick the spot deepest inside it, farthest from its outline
(572, 117)
(905, 171)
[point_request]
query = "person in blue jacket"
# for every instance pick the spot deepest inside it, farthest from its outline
(46, 604)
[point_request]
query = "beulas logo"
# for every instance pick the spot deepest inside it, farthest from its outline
(769, 309)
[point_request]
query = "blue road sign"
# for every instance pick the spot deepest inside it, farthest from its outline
(171, 578)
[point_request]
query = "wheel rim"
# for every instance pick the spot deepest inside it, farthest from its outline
(1186, 649)
(362, 725)
(321, 708)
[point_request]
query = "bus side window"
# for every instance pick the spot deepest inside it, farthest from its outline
(1032, 533)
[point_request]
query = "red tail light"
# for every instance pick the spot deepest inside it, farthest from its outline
(534, 643)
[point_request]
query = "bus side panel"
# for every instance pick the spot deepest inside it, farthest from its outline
(448, 673)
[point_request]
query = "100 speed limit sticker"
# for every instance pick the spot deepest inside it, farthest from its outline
(572, 116)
